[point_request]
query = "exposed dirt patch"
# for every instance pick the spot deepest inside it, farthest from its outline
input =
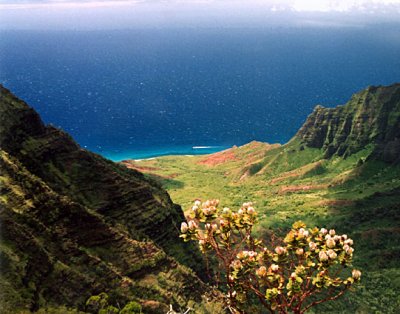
(219, 158)
(133, 165)
(296, 173)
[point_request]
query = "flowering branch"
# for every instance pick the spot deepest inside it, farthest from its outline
(308, 262)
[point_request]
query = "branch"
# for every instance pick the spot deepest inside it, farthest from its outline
(326, 299)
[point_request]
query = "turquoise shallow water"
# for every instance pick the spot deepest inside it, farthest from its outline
(162, 151)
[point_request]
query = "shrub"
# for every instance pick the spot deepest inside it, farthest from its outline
(99, 304)
(305, 268)
(131, 308)
(96, 303)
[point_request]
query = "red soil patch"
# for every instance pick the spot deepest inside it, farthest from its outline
(284, 177)
(132, 165)
(247, 153)
(218, 158)
(296, 173)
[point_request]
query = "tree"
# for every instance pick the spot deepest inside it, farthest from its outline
(305, 268)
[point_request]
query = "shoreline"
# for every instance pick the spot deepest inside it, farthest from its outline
(139, 155)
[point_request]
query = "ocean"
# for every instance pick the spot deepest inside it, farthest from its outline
(149, 92)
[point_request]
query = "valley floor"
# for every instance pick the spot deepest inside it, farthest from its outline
(355, 195)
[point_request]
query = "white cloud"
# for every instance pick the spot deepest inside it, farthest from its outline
(65, 4)
(344, 6)
(107, 14)
(273, 5)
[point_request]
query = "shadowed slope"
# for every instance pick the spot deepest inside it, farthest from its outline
(75, 224)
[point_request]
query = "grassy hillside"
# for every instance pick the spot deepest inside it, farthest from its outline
(355, 197)
(355, 188)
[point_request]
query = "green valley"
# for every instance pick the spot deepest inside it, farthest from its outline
(341, 170)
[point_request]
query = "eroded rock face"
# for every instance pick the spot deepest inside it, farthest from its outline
(75, 224)
(371, 117)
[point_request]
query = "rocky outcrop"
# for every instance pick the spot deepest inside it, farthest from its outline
(371, 117)
(75, 224)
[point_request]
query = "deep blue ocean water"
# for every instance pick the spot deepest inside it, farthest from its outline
(143, 93)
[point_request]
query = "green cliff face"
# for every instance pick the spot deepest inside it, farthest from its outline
(371, 117)
(74, 224)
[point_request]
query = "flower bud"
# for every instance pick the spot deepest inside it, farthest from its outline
(299, 251)
(250, 210)
(312, 246)
(197, 203)
(208, 226)
(202, 242)
(323, 231)
(344, 236)
(252, 254)
(262, 271)
(336, 238)
(274, 267)
(214, 227)
(293, 276)
(332, 232)
(246, 204)
(226, 211)
(195, 208)
(330, 243)
(332, 254)
(236, 264)
(240, 211)
(349, 251)
(323, 257)
(349, 242)
(356, 274)
(280, 250)
(184, 227)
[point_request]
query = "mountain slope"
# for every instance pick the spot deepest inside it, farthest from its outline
(341, 170)
(75, 224)
(370, 117)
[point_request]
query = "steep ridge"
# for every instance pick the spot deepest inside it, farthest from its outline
(370, 117)
(123, 195)
(74, 224)
(369, 122)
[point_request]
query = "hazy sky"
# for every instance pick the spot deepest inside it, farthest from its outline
(106, 14)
